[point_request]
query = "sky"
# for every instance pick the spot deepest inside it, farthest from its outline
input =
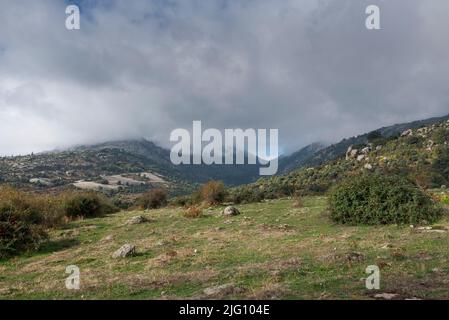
(137, 68)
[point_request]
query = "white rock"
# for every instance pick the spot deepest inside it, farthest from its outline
(230, 211)
(126, 250)
(386, 296)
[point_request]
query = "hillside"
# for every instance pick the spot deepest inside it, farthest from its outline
(271, 251)
(420, 153)
(317, 154)
(134, 166)
(100, 166)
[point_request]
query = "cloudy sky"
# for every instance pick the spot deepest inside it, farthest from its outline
(143, 68)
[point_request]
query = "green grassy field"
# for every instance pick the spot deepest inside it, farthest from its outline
(271, 251)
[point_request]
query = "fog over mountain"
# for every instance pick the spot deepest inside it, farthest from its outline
(143, 68)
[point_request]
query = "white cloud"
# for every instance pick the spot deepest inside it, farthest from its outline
(143, 68)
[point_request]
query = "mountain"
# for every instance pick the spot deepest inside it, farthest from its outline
(133, 165)
(315, 155)
(420, 153)
(298, 158)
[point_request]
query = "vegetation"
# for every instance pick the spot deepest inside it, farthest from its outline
(153, 199)
(378, 199)
(211, 193)
(270, 251)
(23, 220)
(193, 212)
(87, 205)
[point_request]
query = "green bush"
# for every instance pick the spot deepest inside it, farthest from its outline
(88, 204)
(441, 162)
(21, 222)
(246, 195)
(153, 199)
(378, 199)
(441, 135)
(181, 201)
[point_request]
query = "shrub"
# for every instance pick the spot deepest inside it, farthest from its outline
(181, 201)
(246, 195)
(193, 212)
(153, 199)
(441, 162)
(21, 222)
(377, 199)
(87, 204)
(445, 199)
(441, 135)
(213, 192)
(297, 200)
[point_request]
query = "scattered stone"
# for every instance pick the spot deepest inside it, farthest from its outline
(368, 166)
(407, 133)
(360, 157)
(231, 211)
(424, 228)
(137, 220)
(126, 250)
(386, 296)
(223, 290)
(366, 150)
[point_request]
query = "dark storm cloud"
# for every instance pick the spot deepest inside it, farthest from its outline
(143, 68)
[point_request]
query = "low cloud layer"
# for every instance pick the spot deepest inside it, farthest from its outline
(143, 68)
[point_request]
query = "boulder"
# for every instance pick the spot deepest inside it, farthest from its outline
(126, 250)
(223, 290)
(366, 150)
(360, 157)
(407, 133)
(230, 211)
(137, 220)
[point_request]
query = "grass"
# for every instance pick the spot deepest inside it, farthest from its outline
(272, 250)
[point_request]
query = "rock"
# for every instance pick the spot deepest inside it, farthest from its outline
(231, 211)
(386, 296)
(360, 157)
(366, 150)
(368, 166)
(126, 250)
(407, 133)
(443, 186)
(378, 148)
(348, 153)
(137, 220)
(223, 290)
